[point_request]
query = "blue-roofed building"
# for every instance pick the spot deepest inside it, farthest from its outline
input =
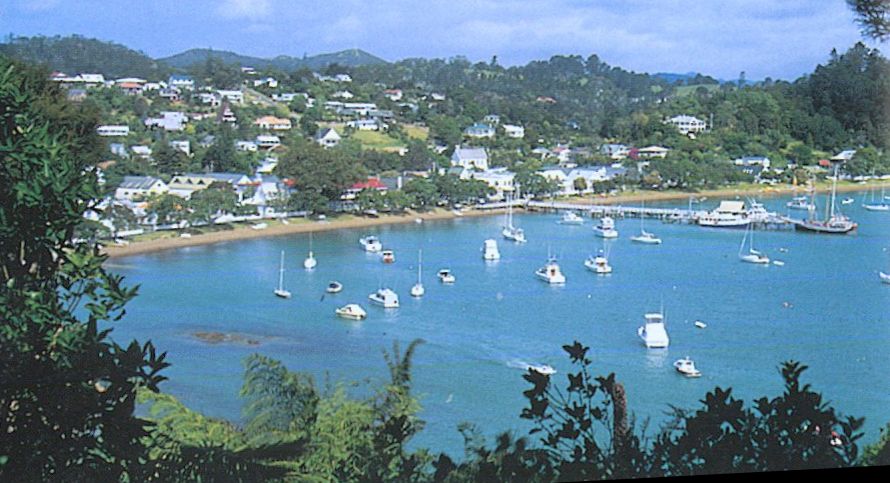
(479, 130)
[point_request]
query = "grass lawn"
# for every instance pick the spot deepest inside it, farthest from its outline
(376, 140)
(416, 132)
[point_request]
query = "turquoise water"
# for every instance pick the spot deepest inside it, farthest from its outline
(499, 315)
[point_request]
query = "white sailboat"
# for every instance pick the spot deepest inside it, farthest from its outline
(880, 205)
(645, 237)
(752, 255)
(280, 291)
(417, 290)
(511, 232)
(309, 263)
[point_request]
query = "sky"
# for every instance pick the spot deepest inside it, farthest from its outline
(782, 39)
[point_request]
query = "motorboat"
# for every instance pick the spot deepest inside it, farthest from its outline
(417, 290)
(700, 324)
(334, 287)
(571, 218)
(598, 264)
(385, 297)
(751, 255)
(653, 332)
(885, 277)
(551, 273)
(280, 291)
(800, 203)
(445, 276)
(606, 228)
(847, 201)
(310, 262)
(544, 369)
(387, 256)
(686, 367)
(490, 250)
(371, 243)
(511, 232)
(729, 214)
(351, 311)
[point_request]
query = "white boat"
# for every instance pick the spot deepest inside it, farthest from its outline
(571, 218)
(885, 277)
(551, 273)
(511, 232)
(686, 367)
(645, 237)
(310, 262)
(351, 311)
(606, 228)
(385, 297)
(598, 264)
(417, 290)
(544, 369)
(800, 203)
(371, 243)
(847, 201)
(387, 256)
(730, 214)
(880, 205)
(751, 255)
(280, 291)
(490, 250)
(700, 324)
(653, 332)
(445, 276)
(334, 287)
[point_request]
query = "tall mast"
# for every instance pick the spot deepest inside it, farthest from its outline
(833, 193)
(281, 272)
(419, 264)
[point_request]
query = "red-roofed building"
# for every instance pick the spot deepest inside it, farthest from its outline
(372, 183)
(824, 163)
(131, 88)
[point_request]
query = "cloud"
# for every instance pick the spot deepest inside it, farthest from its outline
(37, 5)
(244, 9)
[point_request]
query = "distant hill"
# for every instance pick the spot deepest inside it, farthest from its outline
(689, 78)
(348, 58)
(76, 54)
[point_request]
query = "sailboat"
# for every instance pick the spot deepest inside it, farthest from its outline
(309, 263)
(752, 255)
(280, 291)
(417, 290)
(644, 236)
(511, 232)
(881, 205)
(835, 223)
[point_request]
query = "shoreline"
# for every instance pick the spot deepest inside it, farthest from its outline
(244, 232)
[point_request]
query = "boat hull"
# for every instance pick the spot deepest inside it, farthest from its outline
(801, 225)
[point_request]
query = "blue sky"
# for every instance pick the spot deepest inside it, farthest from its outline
(764, 38)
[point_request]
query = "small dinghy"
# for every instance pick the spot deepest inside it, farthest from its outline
(334, 287)
(700, 324)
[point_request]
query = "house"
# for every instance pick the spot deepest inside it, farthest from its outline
(208, 98)
(364, 124)
(273, 123)
(118, 149)
(113, 130)
(169, 121)
(327, 137)
(141, 151)
(437, 96)
(688, 124)
(615, 151)
(130, 88)
(248, 70)
(545, 100)
(225, 114)
(394, 95)
(207, 140)
(514, 131)
(372, 183)
(267, 165)
(267, 189)
(133, 80)
(342, 78)
(761, 161)
(479, 130)
(567, 178)
(498, 179)
(169, 93)
(267, 81)
(86, 80)
(184, 185)
(182, 145)
(268, 141)
(470, 158)
(343, 95)
(649, 152)
(154, 86)
(181, 82)
(492, 119)
(236, 97)
(247, 146)
(139, 187)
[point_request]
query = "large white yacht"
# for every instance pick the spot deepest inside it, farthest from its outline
(653, 332)
(598, 264)
(490, 250)
(730, 214)
(551, 273)
(371, 243)
(385, 297)
(606, 228)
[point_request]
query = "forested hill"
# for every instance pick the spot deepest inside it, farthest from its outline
(346, 58)
(75, 54)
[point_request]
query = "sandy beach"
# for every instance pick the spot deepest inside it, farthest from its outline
(244, 231)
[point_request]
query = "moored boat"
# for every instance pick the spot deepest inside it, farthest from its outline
(334, 287)
(280, 291)
(606, 228)
(351, 311)
(490, 250)
(571, 218)
(387, 256)
(385, 297)
(598, 264)
(371, 243)
(417, 289)
(551, 273)
(653, 332)
(686, 367)
(445, 276)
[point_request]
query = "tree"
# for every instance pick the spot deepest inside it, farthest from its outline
(423, 192)
(873, 17)
(168, 159)
(205, 204)
(320, 175)
(68, 392)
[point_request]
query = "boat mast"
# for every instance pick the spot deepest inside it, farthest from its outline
(833, 193)
(281, 272)
(419, 264)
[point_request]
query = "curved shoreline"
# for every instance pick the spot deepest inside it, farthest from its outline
(244, 232)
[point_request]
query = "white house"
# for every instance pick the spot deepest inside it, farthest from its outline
(268, 81)
(327, 137)
(343, 95)
(394, 95)
(141, 151)
(567, 177)
(492, 119)
(208, 98)
(470, 158)
(688, 124)
(479, 130)
(499, 179)
(248, 146)
(650, 152)
(514, 131)
(268, 141)
(273, 123)
(615, 151)
(181, 82)
(136, 187)
(236, 97)
(113, 130)
(169, 121)
(183, 145)
(364, 124)
(844, 156)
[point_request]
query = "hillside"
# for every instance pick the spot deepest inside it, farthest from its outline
(348, 58)
(76, 54)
